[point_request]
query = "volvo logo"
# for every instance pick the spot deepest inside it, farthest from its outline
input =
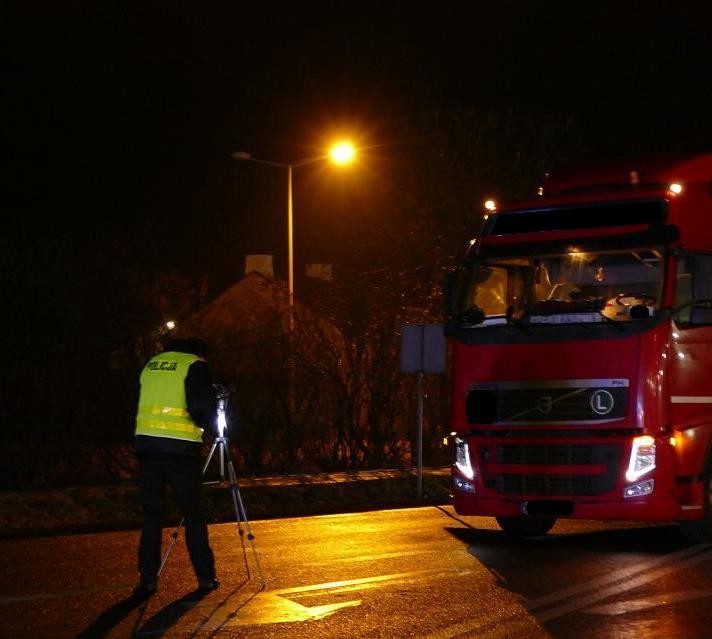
(544, 404)
(602, 402)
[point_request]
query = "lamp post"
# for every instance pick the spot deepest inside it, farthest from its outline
(340, 153)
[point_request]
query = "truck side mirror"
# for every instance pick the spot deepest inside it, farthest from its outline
(458, 283)
(482, 274)
(450, 292)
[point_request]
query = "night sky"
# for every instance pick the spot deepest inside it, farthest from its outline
(119, 118)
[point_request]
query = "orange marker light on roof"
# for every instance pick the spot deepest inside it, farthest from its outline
(676, 188)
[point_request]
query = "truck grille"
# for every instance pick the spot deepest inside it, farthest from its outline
(558, 454)
(536, 483)
(552, 485)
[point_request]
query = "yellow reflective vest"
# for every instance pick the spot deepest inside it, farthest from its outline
(162, 406)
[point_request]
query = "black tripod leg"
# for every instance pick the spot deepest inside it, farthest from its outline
(210, 456)
(241, 514)
(234, 495)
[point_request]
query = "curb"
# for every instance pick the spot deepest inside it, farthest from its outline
(83, 510)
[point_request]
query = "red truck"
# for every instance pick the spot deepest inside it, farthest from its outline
(581, 331)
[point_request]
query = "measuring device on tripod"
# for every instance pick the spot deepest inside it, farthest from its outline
(221, 445)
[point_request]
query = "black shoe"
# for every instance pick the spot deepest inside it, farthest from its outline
(208, 585)
(205, 587)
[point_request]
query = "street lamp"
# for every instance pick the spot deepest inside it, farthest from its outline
(341, 153)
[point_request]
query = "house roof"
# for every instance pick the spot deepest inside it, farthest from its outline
(250, 301)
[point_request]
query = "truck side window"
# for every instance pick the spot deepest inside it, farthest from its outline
(694, 282)
(491, 295)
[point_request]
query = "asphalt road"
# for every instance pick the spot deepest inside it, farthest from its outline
(420, 572)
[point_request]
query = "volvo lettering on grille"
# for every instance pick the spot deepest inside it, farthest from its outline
(571, 401)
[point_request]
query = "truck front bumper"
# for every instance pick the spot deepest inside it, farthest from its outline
(650, 508)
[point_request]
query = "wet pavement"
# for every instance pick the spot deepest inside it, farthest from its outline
(416, 572)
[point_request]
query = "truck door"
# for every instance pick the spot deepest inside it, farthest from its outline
(690, 363)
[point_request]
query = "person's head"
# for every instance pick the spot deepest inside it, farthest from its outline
(192, 345)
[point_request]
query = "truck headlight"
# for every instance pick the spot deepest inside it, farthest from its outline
(642, 457)
(462, 458)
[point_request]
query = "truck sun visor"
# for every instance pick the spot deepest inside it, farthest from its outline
(579, 217)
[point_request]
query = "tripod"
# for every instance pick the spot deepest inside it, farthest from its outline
(221, 444)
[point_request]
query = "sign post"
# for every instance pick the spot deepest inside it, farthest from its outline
(422, 351)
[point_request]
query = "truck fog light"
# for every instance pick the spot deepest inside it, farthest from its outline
(462, 458)
(639, 490)
(642, 457)
(464, 485)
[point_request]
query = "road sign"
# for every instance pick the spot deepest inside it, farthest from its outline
(422, 351)
(422, 348)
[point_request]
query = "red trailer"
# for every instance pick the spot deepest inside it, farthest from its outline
(581, 330)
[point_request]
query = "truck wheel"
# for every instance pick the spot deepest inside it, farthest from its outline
(526, 526)
(701, 529)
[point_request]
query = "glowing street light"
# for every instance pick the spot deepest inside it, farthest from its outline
(341, 153)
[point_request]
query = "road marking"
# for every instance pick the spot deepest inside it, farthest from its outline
(278, 606)
(385, 555)
(634, 605)
(269, 608)
(508, 622)
(618, 575)
(581, 602)
(365, 581)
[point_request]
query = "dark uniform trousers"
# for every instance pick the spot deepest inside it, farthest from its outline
(184, 475)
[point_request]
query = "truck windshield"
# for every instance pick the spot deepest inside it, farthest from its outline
(567, 287)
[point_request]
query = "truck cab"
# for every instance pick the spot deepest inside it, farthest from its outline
(581, 332)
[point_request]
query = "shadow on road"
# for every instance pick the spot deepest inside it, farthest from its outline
(219, 616)
(559, 579)
(652, 539)
(164, 619)
(112, 617)
(532, 567)
(169, 615)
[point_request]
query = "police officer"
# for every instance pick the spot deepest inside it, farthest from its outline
(177, 402)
